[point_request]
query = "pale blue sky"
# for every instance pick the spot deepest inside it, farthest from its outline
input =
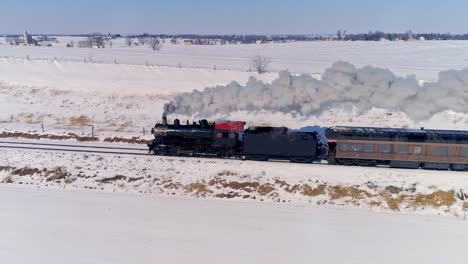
(232, 16)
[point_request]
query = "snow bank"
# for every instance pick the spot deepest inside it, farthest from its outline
(342, 84)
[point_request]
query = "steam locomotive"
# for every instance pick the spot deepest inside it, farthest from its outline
(230, 140)
(355, 146)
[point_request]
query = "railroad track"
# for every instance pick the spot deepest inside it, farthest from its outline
(74, 148)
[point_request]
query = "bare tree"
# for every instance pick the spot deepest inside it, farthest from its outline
(83, 44)
(129, 41)
(155, 44)
(261, 63)
(142, 40)
(99, 40)
(90, 41)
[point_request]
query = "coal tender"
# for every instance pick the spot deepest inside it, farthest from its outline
(264, 143)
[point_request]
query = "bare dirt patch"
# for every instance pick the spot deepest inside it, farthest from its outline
(47, 136)
(309, 191)
(465, 206)
(133, 140)
(134, 179)
(235, 185)
(55, 174)
(229, 195)
(287, 187)
(375, 203)
(338, 192)
(393, 203)
(265, 189)
(435, 199)
(198, 188)
(58, 173)
(26, 171)
(81, 120)
(112, 179)
(173, 185)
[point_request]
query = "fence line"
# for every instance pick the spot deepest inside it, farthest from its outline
(90, 59)
(90, 129)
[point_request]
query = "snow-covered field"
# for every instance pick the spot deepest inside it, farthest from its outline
(53, 227)
(423, 58)
(115, 79)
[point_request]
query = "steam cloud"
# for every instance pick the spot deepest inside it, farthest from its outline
(343, 83)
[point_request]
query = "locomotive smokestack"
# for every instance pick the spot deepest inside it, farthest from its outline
(164, 120)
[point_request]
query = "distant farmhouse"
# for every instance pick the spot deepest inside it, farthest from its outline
(25, 39)
(28, 40)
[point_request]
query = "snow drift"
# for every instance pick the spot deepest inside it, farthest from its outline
(340, 85)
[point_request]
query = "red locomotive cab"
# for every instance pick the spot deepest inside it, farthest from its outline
(229, 133)
(235, 126)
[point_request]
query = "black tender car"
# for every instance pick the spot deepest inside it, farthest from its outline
(263, 143)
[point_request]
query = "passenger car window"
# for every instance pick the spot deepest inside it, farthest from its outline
(464, 152)
(417, 150)
(344, 147)
(384, 148)
(442, 151)
(357, 147)
(402, 149)
(368, 148)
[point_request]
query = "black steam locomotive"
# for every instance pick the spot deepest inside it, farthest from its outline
(230, 140)
(196, 139)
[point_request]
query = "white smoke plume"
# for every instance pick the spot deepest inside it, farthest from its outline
(343, 83)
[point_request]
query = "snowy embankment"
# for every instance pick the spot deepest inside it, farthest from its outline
(404, 191)
(56, 227)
